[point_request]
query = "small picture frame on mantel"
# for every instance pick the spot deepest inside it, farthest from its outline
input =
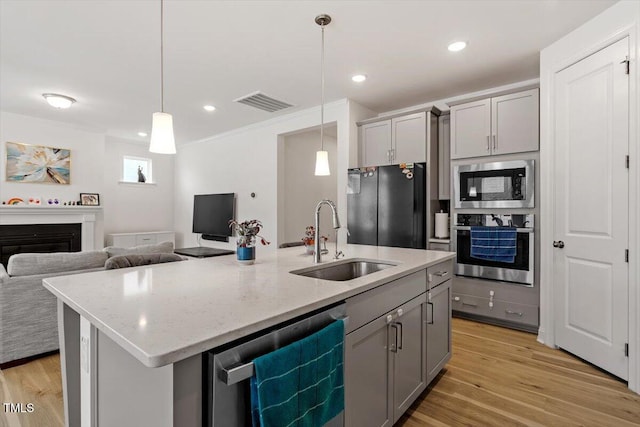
(89, 199)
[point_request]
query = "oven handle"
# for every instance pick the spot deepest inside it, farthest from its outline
(235, 374)
(467, 228)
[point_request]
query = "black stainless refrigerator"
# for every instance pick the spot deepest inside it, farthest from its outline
(386, 206)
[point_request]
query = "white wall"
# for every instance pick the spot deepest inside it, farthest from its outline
(96, 163)
(302, 189)
(87, 159)
(245, 161)
(132, 207)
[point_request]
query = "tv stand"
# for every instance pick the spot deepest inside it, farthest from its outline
(203, 252)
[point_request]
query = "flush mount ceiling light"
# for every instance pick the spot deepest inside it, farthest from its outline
(58, 101)
(457, 46)
(209, 108)
(359, 78)
(142, 134)
(322, 156)
(162, 140)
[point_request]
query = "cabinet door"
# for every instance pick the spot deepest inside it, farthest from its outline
(444, 158)
(165, 237)
(368, 376)
(514, 122)
(438, 329)
(471, 129)
(123, 240)
(376, 143)
(146, 239)
(409, 139)
(407, 341)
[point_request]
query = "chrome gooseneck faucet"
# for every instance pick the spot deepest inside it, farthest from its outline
(336, 225)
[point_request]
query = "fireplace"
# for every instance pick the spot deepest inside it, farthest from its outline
(39, 238)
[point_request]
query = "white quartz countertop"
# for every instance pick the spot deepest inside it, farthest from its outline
(165, 313)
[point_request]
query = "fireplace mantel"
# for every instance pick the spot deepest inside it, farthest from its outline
(85, 215)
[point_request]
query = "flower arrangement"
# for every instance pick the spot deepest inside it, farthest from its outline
(247, 232)
(309, 236)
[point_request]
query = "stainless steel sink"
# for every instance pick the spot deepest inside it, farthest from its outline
(344, 270)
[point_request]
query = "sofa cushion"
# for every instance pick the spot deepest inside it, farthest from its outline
(27, 264)
(124, 261)
(164, 247)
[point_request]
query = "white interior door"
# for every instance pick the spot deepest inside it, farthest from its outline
(591, 208)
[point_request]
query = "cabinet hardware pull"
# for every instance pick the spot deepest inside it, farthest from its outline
(441, 273)
(394, 347)
(469, 304)
(488, 143)
(401, 336)
(517, 313)
(430, 322)
(494, 142)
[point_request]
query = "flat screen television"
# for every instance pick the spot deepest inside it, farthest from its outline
(211, 215)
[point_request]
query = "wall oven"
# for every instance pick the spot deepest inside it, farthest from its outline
(519, 270)
(495, 185)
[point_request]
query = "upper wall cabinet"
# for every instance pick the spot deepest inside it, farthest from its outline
(499, 125)
(401, 139)
(444, 157)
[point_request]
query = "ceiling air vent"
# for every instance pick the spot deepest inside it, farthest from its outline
(262, 102)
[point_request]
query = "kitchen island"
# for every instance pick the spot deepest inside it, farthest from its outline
(141, 332)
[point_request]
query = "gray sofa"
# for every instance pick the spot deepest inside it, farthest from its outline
(28, 312)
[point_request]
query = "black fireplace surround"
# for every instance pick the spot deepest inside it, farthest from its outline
(39, 238)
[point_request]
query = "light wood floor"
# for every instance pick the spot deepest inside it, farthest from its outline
(502, 377)
(496, 377)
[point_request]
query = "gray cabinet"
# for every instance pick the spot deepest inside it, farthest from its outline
(367, 376)
(400, 139)
(407, 342)
(444, 157)
(438, 328)
(385, 351)
(375, 144)
(497, 302)
(499, 125)
(385, 369)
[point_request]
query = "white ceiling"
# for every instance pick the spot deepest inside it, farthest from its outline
(106, 54)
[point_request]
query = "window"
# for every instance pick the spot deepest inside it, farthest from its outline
(136, 169)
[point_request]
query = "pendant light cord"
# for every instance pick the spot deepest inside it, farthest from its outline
(162, 54)
(322, 90)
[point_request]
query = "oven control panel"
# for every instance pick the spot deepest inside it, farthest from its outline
(495, 220)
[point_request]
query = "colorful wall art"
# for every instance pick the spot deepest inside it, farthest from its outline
(37, 164)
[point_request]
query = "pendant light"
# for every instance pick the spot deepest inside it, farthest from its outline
(162, 140)
(322, 156)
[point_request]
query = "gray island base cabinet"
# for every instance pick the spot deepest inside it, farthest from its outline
(131, 352)
(398, 339)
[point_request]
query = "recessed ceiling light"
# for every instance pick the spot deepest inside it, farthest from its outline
(457, 46)
(142, 134)
(359, 78)
(58, 101)
(209, 108)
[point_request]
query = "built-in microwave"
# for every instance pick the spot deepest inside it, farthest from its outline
(495, 185)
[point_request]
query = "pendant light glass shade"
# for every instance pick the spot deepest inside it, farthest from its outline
(322, 163)
(322, 156)
(162, 140)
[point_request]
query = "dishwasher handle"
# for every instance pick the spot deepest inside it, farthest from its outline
(235, 374)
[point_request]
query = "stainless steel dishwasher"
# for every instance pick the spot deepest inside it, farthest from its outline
(228, 369)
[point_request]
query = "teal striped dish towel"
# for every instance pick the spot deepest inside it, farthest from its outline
(302, 384)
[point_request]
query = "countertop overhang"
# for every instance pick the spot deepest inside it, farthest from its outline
(165, 313)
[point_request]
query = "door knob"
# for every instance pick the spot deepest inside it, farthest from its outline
(558, 244)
